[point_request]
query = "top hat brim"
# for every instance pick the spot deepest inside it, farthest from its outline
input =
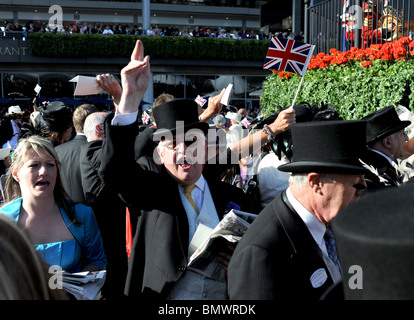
(323, 167)
(389, 131)
(159, 133)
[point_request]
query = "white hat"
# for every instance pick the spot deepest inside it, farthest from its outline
(233, 116)
(15, 109)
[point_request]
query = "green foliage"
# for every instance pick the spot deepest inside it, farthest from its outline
(81, 45)
(354, 90)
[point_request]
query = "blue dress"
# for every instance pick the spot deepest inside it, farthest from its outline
(72, 255)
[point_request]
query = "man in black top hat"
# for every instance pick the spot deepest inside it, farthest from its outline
(375, 242)
(286, 253)
(386, 139)
(168, 215)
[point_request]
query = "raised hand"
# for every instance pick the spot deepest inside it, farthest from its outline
(108, 83)
(283, 120)
(214, 107)
(135, 78)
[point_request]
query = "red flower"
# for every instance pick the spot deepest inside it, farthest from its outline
(405, 40)
(366, 64)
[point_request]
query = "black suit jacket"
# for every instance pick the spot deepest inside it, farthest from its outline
(276, 258)
(110, 213)
(160, 247)
(69, 155)
(382, 174)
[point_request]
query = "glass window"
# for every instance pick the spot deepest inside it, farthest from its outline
(200, 85)
(19, 85)
(56, 85)
(222, 81)
(169, 83)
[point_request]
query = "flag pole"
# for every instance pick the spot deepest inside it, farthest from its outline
(303, 73)
(297, 91)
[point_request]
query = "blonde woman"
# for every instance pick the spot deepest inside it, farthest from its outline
(63, 233)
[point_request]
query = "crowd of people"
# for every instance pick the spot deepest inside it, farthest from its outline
(129, 196)
(154, 30)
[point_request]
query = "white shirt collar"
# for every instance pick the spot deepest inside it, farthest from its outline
(200, 183)
(383, 154)
(315, 227)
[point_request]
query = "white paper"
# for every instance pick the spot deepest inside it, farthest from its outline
(226, 97)
(85, 86)
(37, 88)
(84, 285)
(200, 235)
(4, 153)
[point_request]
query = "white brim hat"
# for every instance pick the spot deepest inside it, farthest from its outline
(234, 116)
(14, 110)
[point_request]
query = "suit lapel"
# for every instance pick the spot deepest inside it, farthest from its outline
(307, 256)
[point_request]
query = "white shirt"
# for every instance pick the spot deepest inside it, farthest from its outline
(12, 143)
(124, 119)
(271, 180)
(107, 31)
(317, 229)
(236, 132)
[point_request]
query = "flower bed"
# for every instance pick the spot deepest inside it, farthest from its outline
(356, 82)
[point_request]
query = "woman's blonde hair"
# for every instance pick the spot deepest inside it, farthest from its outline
(42, 147)
(24, 274)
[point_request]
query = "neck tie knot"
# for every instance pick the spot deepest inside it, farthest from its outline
(187, 194)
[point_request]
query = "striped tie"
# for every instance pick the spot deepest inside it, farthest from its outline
(331, 247)
(187, 194)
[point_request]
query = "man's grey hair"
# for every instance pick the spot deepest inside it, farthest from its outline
(96, 118)
(301, 179)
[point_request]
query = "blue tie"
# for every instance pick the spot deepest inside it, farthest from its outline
(331, 247)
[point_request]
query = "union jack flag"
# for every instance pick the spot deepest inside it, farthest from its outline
(288, 55)
(200, 100)
(345, 11)
(145, 118)
(246, 123)
(345, 14)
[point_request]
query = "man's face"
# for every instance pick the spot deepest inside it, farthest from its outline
(344, 190)
(398, 141)
(183, 156)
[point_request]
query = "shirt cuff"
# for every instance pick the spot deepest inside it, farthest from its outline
(123, 119)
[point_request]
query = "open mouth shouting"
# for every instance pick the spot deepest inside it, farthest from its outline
(42, 184)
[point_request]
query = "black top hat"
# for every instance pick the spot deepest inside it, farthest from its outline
(375, 234)
(382, 123)
(55, 117)
(177, 115)
(327, 147)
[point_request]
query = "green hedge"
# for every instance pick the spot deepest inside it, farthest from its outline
(81, 45)
(357, 82)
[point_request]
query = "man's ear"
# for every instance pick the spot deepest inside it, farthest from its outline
(386, 142)
(161, 153)
(99, 129)
(315, 182)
